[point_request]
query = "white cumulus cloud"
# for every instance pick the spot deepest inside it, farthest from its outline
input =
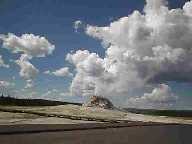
(29, 83)
(55, 94)
(6, 87)
(188, 8)
(141, 49)
(30, 44)
(2, 63)
(27, 70)
(6, 84)
(162, 97)
(77, 24)
(62, 72)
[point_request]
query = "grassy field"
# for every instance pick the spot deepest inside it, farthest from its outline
(170, 113)
(31, 102)
(67, 110)
(53, 113)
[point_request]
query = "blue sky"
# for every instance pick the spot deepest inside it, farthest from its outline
(54, 19)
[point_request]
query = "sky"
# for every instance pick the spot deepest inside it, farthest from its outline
(62, 50)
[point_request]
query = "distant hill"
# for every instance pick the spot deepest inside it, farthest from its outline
(32, 102)
(174, 113)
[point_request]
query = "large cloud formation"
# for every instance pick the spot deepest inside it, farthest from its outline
(29, 45)
(161, 96)
(142, 50)
(27, 70)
